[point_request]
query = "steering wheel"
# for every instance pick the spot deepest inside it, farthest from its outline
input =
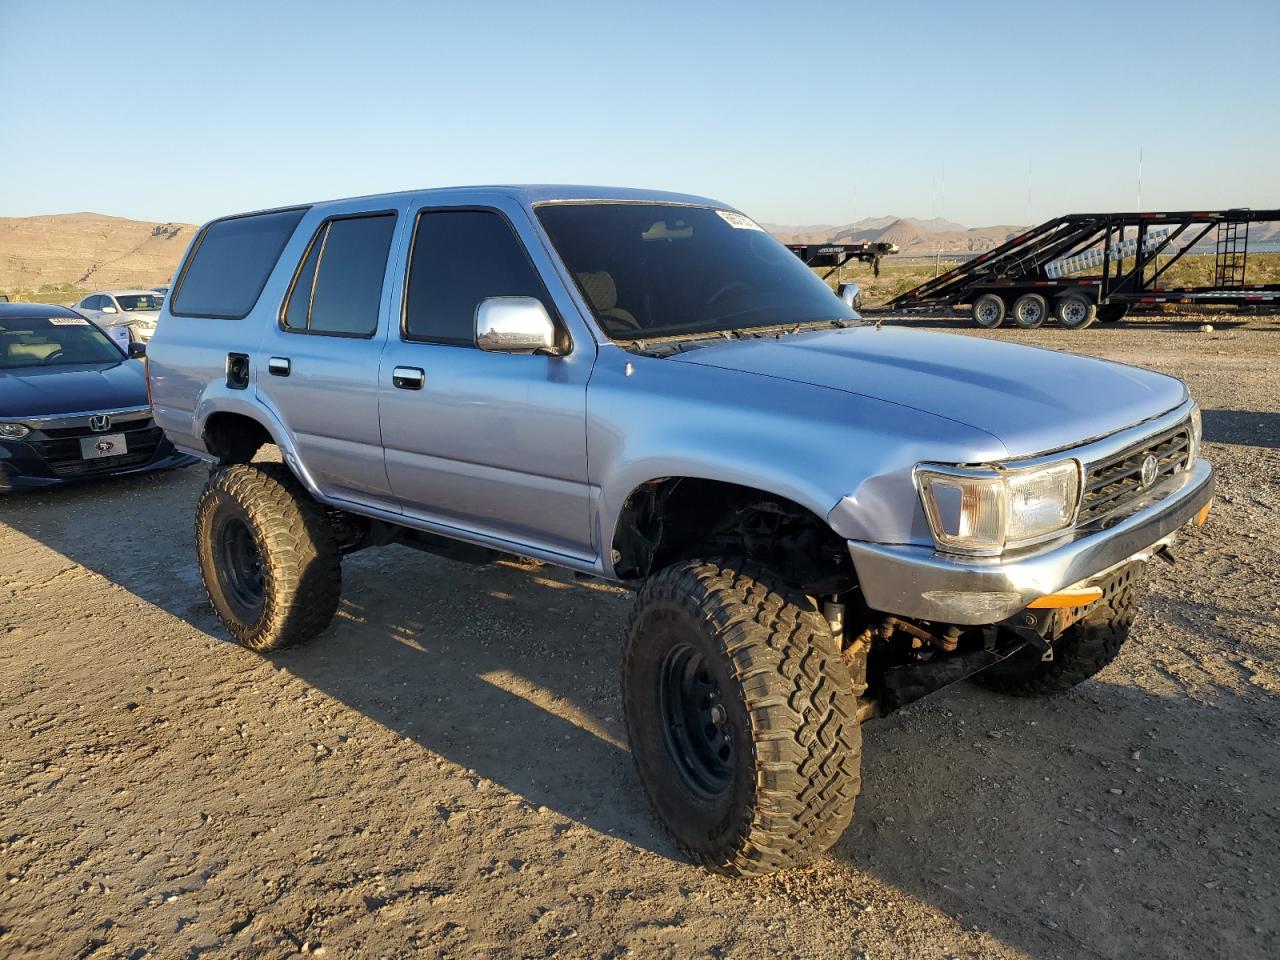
(725, 290)
(55, 355)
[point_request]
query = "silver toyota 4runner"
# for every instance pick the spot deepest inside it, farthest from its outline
(824, 519)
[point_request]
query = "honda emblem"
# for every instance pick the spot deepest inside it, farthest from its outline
(100, 422)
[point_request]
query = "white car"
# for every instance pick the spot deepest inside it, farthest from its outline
(135, 310)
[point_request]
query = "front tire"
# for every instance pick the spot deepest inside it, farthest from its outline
(267, 556)
(1082, 650)
(741, 717)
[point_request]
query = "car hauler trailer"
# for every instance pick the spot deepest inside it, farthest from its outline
(1086, 266)
(836, 255)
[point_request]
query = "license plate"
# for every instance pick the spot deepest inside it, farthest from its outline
(107, 445)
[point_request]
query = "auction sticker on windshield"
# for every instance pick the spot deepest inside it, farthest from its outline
(108, 445)
(738, 221)
(69, 321)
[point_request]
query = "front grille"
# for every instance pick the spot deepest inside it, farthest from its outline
(1112, 484)
(62, 452)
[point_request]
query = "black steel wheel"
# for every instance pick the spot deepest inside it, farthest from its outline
(741, 716)
(1030, 310)
(1075, 311)
(988, 311)
(267, 556)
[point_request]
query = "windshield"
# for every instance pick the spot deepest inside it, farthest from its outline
(660, 270)
(130, 302)
(41, 341)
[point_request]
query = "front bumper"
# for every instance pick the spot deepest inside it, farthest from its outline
(919, 582)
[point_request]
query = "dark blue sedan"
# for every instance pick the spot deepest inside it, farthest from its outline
(73, 405)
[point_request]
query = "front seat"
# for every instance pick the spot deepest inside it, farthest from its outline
(603, 296)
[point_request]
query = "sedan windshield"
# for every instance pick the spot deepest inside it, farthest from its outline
(663, 270)
(41, 341)
(130, 302)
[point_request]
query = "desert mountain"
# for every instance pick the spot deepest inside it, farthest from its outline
(88, 250)
(911, 235)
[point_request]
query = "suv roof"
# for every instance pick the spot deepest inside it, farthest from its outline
(526, 193)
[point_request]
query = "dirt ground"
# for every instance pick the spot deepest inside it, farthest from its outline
(444, 771)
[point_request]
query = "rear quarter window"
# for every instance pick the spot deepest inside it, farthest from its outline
(230, 264)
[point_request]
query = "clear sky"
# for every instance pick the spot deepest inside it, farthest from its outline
(795, 112)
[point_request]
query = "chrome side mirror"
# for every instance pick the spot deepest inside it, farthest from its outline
(107, 309)
(515, 325)
(851, 294)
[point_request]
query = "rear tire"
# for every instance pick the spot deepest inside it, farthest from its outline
(741, 717)
(1030, 311)
(1111, 312)
(988, 311)
(267, 556)
(1076, 311)
(1081, 651)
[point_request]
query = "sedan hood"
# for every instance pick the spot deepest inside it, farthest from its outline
(55, 390)
(1032, 400)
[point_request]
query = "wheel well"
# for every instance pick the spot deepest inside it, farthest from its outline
(683, 518)
(234, 437)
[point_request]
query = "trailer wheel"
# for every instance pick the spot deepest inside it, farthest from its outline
(988, 311)
(1076, 311)
(1111, 312)
(1030, 310)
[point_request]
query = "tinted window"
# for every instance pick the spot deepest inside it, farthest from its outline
(340, 285)
(231, 263)
(650, 269)
(139, 301)
(53, 341)
(460, 257)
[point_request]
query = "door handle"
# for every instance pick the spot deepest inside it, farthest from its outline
(278, 366)
(409, 378)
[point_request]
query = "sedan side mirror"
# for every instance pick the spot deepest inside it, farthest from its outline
(851, 294)
(515, 325)
(137, 350)
(106, 309)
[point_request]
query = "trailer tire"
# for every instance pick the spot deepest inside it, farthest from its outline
(988, 311)
(1111, 312)
(1030, 311)
(1075, 311)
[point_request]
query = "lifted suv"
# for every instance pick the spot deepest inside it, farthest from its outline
(824, 520)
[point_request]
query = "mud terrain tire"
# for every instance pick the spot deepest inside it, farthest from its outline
(1083, 649)
(741, 717)
(267, 556)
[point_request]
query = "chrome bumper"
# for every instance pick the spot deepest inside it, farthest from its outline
(919, 582)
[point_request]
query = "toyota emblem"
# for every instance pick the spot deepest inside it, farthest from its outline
(1149, 468)
(100, 422)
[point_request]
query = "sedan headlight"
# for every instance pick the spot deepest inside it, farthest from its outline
(13, 431)
(1197, 434)
(985, 510)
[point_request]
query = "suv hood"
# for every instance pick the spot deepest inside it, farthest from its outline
(1032, 400)
(53, 390)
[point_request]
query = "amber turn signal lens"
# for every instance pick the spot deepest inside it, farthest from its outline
(1203, 515)
(1067, 598)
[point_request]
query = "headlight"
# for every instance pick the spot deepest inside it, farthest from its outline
(985, 510)
(1197, 434)
(13, 431)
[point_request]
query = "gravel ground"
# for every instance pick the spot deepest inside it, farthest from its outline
(444, 771)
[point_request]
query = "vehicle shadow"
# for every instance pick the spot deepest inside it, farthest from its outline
(1110, 823)
(505, 670)
(1002, 813)
(1253, 428)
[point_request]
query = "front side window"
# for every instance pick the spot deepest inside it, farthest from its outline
(338, 288)
(461, 257)
(657, 270)
(53, 341)
(230, 264)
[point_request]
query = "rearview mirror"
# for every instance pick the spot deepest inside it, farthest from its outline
(851, 294)
(515, 325)
(107, 309)
(137, 349)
